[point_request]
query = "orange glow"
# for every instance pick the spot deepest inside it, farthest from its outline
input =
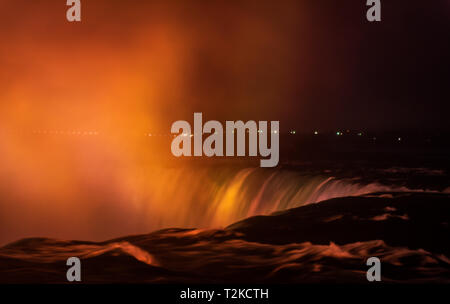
(78, 103)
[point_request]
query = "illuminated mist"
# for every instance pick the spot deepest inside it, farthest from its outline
(78, 102)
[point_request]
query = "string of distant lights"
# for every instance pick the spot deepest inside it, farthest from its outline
(95, 133)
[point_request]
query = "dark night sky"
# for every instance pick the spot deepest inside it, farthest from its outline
(398, 70)
(309, 64)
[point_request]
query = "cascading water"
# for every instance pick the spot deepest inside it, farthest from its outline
(206, 197)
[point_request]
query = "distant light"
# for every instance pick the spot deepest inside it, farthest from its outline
(275, 131)
(260, 131)
(316, 132)
(338, 133)
(359, 134)
(399, 139)
(293, 132)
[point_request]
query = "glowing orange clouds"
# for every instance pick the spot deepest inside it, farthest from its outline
(128, 69)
